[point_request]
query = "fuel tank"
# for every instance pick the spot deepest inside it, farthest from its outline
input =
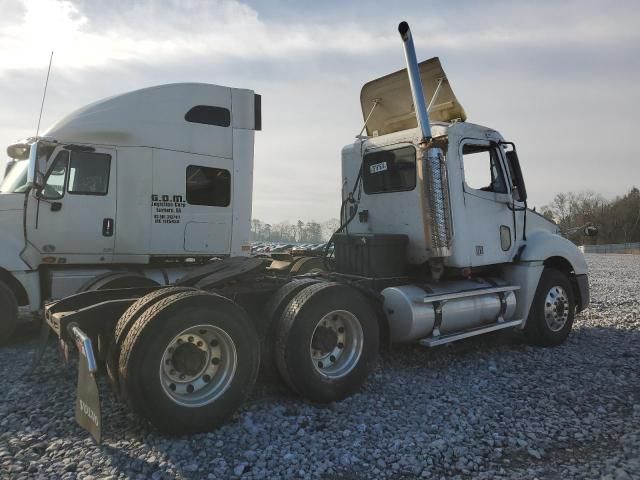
(464, 304)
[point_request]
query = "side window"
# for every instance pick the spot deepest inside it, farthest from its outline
(209, 115)
(54, 185)
(389, 170)
(482, 169)
(89, 173)
(208, 186)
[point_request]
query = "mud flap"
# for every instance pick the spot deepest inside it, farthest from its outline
(88, 414)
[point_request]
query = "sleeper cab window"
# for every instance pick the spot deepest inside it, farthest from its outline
(208, 186)
(89, 173)
(209, 115)
(482, 169)
(387, 171)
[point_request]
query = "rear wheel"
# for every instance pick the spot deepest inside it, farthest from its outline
(189, 361)
(124, 324)
(117, 280)
(327, 342)
(552, 311)
(273, 311)
(8, 313)
(308, 265)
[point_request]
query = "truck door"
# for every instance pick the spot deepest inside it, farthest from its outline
(72, 219)
(487, 201)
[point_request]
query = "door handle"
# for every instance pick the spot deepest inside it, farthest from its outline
(107, 227)
(56, 206)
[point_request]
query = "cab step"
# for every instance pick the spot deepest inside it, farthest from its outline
(434, 341)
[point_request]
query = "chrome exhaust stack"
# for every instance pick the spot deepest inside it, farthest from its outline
(415, 81)
(437, 217)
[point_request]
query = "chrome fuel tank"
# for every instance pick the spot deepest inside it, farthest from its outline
(412, 310)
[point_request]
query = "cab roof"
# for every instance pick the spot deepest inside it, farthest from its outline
(188, 117)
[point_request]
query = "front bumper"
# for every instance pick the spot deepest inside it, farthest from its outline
(582, 302)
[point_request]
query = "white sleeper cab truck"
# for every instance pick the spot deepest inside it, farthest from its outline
(128, 191)
(436, 244)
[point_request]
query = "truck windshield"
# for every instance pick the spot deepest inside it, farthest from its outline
(16, 180)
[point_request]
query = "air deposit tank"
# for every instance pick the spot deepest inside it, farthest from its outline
(413, 313)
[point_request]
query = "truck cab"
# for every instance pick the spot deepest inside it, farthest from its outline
(141, 182)
(463, 212)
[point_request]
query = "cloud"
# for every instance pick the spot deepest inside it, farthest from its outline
(558, 78)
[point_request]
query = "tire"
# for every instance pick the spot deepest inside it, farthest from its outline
(159, 386)
(552, 310)
(8, 313)
(342, 360)
(117, 280)
(124, 324)
(308, 265)
(272, 313)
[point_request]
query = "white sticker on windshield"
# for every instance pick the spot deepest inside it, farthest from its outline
(378, 167)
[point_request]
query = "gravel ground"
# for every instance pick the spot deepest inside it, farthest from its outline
(487, 408)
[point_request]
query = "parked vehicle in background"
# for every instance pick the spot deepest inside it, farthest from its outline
(133, 190)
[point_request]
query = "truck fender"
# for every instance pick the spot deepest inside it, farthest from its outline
(542, 246)
(16, 285)
(544, 249)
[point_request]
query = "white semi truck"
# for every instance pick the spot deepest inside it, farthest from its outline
(129, 191)
(423, 254)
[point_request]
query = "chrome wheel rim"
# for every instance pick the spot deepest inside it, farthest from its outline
(556, 308)
(336, 344)
(198, 365)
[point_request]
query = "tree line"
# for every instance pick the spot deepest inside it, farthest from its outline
(298, 232)
(617, 220)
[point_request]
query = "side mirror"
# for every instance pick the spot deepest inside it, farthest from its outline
(35, 177)
(8, 167)
(590, 231)
(520, 191)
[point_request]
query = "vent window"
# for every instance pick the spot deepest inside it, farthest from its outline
(209, 115)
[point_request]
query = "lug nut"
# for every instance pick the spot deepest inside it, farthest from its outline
(190, 339)
(206, 378)
(213, 343)
(199, 343)
(215, 361)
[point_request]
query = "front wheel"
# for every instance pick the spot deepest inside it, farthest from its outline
(327, 342)
(552, 311)
(8, 313)
(189, 361)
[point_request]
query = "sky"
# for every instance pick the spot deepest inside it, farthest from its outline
(560, 79)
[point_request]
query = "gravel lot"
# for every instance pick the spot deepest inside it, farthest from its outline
(487, 408)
